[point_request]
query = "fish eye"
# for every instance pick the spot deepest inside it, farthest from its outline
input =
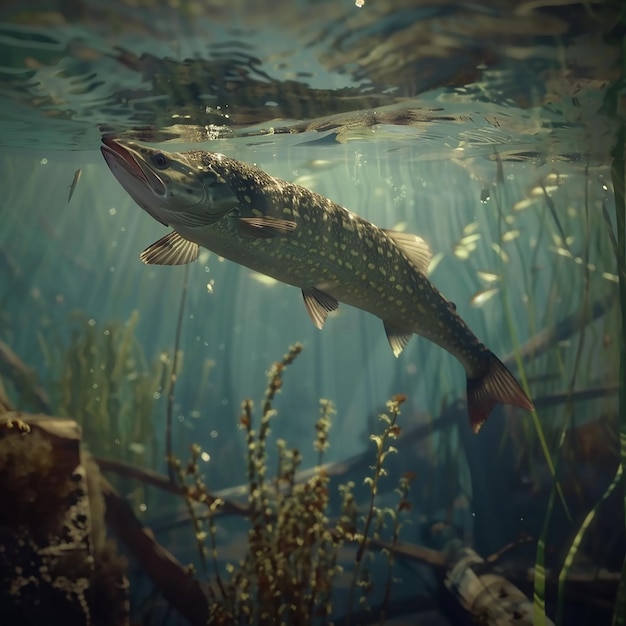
(160, 160)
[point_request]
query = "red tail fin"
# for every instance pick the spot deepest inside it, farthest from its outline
(496, 386)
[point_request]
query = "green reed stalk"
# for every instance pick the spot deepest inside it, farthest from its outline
(174, 374)
(618, 172)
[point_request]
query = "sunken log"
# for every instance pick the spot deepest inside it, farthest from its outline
(56, 565)
(488, 597)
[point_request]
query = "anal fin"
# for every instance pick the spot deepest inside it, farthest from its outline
(398, 337)
(173, 249)
(318, 305)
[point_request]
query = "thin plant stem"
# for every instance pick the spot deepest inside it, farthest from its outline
(173, 376)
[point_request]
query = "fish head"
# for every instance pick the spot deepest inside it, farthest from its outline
(176, 188)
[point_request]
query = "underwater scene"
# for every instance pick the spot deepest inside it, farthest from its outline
(313, 312)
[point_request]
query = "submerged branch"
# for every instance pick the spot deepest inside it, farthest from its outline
(565, 328)
(162, 482)
(178, 585)
(5, 403)
(24, 379)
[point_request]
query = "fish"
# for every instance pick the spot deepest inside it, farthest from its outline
(77, 175)
(303, 239)
(482, 296)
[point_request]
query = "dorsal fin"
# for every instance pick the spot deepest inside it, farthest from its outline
(318, 305)
(173, 249)
(413, 247)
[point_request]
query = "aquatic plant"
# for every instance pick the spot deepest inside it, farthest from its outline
(106, 384)
(102, 379)
(291, 562)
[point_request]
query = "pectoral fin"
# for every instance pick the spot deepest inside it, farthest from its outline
(318, 305)
(413, 247)
(264, 226)
(398, 337)
(170, 250)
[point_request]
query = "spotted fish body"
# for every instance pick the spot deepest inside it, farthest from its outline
(304, 239)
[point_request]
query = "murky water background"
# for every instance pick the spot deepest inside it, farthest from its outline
(487, 128)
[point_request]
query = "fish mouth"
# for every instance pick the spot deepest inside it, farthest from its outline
(121, 156)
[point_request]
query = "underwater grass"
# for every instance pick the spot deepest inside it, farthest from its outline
(576, 542)
(107, 385)
(539, 604)
(613, 108)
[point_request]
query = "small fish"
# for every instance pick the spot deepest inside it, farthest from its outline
(510, 235)
(489, 277)
(504, 257)
(482, 296)
(301, 238)
(77, 175)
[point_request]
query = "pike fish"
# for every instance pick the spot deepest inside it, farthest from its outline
(301, 238)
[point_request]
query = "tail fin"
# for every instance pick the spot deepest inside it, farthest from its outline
(496, 386)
